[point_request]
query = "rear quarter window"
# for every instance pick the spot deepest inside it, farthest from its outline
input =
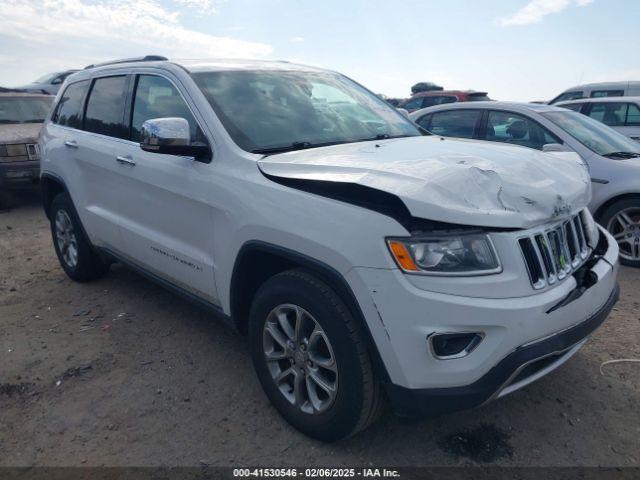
(69, 109)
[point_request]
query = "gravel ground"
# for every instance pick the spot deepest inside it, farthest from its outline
(120, 372)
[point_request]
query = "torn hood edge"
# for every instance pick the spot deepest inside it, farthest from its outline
(453, 181)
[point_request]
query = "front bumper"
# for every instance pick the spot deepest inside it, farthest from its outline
(523, 337)
(523, 366)
(20, 172)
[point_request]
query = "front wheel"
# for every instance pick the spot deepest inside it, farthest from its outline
(310, 357)
(622, 221)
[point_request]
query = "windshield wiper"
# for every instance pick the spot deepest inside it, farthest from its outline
(622, 155)
(293, 146)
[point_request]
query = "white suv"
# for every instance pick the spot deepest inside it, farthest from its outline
(366, 259)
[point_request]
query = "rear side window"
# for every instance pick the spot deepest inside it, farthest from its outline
(612, 114)
(508, 127)
(105, 107)
(455, 123)
(156, 97)
(424, 121)
(633, 115)
(568, 96)
(607, 93)
(69, 110)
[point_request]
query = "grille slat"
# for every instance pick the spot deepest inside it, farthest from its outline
(551, 255)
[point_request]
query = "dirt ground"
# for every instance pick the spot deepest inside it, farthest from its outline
(120, 372)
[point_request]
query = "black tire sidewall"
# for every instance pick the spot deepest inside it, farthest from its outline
(342, 417)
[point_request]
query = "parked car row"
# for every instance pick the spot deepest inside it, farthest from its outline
(366, 259)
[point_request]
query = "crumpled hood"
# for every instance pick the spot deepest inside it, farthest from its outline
(20, 132)
(449, 180)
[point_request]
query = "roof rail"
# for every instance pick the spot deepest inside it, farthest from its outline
(147, 58)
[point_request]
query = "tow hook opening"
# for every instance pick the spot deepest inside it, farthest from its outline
(446, 346)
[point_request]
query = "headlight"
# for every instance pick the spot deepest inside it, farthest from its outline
(593, 235)
(465, 254)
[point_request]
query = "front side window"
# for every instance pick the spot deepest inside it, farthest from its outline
(508, 127)
(105, 107)
(455, 123)
(157, 97)
(575, 95)
(607, 93)
(269, 111)
(24, 109)
(69, 111)
(594, 135)
(612, 114)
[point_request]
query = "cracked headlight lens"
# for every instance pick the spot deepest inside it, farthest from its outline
(464, 254)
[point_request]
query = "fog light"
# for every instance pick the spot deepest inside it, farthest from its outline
(446, 346)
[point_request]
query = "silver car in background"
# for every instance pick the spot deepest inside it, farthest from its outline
(620, 113)
(599, 90)
(613, 159)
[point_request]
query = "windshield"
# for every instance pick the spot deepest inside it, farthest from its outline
(24, 110)
(271, 111)
(594, 135)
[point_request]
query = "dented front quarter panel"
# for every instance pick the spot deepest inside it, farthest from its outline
(449, 180)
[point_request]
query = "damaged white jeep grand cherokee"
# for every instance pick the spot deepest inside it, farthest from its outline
(366, 259)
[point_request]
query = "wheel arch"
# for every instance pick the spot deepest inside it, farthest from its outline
(258, 261)
(605, 205)
(50, 186)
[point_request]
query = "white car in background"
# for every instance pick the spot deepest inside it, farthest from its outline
(620, 113)
(599, 90)
(613, 159)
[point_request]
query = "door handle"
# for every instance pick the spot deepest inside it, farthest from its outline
(125, 161)
(71, 143)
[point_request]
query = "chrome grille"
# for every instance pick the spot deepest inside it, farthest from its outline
(552, 254)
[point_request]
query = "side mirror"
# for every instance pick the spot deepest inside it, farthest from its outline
(172, 136)
(403, 112)
(555, 147)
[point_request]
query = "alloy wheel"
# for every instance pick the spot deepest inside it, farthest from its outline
(300, 359)
(625, 228)
(66, 239)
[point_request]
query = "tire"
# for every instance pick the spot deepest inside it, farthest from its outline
(358, 399)
(75, 254)
(628, 237)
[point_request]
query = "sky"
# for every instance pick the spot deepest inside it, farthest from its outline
(520, 50)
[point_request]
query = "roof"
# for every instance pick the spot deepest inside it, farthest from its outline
(513, 106)
(431, 93)
(8, 92)
(604, 84)
(601, 100)
(196, 65)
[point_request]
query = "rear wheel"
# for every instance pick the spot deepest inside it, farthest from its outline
(311, 358)
(78, 259)
(622, 221)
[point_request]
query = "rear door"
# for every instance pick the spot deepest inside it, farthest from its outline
(96, 148)
(167, 223)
